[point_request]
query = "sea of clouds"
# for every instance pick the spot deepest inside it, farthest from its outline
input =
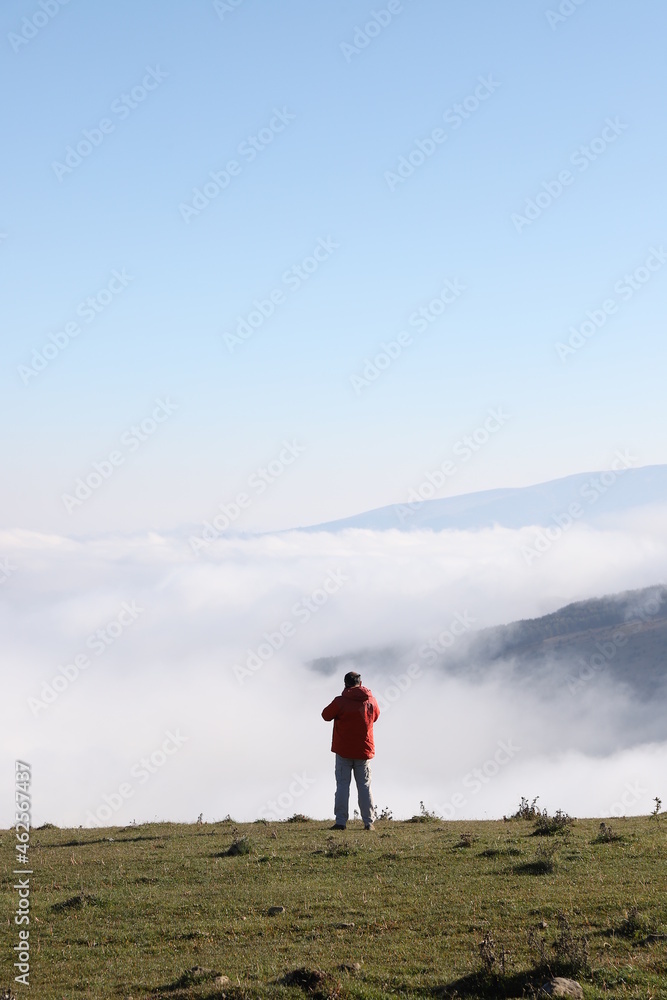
(147, 681)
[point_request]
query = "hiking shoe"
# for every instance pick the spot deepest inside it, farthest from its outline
(369, 826)
(337, 826)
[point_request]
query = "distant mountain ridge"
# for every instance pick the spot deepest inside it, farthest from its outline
(595, 495)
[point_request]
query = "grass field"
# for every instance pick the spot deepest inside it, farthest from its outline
(130, 912)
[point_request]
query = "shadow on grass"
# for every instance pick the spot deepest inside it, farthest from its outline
(479, 984)
(193, 977)
(315, 983)
(217, 993)
(542, 866)
(76, 903)
(102, 840)
(199, 984)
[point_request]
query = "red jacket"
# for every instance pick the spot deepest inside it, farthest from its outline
(353, 714)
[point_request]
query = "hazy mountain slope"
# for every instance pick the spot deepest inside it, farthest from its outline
(598, 494)
(623, 636)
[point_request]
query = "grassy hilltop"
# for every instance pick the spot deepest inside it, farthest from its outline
(131, 912)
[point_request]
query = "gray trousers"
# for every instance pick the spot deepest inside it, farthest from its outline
(362, 775)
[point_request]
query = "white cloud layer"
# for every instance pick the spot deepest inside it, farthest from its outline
(158, 683)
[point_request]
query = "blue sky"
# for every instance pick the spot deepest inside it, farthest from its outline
(346, 118)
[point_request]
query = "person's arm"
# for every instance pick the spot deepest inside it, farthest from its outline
(376, 711)
(331, 711)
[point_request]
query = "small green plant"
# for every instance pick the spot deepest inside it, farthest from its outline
(426, 813)
(487, 953)
(466, 840)
(537, 943)
(492, 956)
(299, 818)
(548, 826)
(526, 810)
(634, 925)
(384, 814)
(545, 857)
(631, 923)
(656, 811)
(338, 848)
(544, 862)
(606, 835)
(424, 816)
(571, 951)
(240, 845)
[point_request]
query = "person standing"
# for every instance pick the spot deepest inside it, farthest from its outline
(353, 713)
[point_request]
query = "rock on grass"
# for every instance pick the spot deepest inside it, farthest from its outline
(560, 987)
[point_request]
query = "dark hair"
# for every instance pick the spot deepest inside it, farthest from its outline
(352, 679)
